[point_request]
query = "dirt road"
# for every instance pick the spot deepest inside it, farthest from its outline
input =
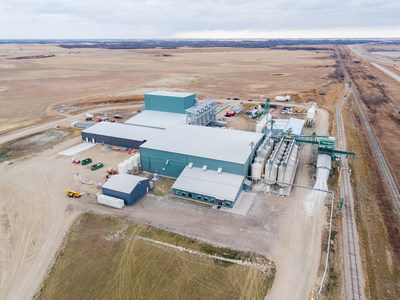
(66, 121)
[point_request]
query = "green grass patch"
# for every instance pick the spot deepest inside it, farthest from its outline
(103, 258)
(163, 186)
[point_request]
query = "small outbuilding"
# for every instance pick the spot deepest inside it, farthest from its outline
(215, 187)
(127, 187)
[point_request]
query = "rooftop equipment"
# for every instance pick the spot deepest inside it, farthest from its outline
(203, 114)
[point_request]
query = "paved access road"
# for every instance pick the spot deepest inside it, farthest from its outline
(391, 74)
(371, 57)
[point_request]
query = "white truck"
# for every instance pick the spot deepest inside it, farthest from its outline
(282, 98)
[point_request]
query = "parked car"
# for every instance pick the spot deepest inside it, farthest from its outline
(86, 161)
(96, 166)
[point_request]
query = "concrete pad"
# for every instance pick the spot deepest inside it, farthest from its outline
(242, 205)
(77, 149)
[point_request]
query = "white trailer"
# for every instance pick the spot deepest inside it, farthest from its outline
(110, 201)
(282, 98)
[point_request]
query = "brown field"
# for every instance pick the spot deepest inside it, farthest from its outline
(31, 88)
(114, 262)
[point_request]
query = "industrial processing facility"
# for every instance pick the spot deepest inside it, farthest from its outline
(177, 138)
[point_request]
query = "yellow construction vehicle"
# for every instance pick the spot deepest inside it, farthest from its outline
(73, 194)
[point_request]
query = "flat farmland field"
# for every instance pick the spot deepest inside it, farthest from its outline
(111, 258)
(30, 88)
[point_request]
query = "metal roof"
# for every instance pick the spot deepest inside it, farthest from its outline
(170, 94)
(279, 124)
(207, 142)
(157, 119)
(222, 186)
(125, 131)
(123, 183)
(324, 161)
(296, 125)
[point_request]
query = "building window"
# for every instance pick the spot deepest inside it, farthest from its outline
(199, 197)
(190, 195)
(177, 192)
(205, 199)
(184, 194)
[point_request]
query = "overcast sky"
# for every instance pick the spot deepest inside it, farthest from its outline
(58, 19)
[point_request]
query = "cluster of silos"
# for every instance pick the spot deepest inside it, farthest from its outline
(262, 122)
(288, 164)
(129, 165)
(262, 154)
(272, 165)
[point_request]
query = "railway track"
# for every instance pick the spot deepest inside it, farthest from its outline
(388, 178)
(354, 279)
(352, 263)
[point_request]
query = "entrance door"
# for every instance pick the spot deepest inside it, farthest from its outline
(219, 202)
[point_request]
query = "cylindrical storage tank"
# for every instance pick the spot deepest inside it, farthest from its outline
(282, 174)
(257, 159)
(264, 153)
(138, 158)
(271, 142)
(122, 169)
(129, 164)
(269, 151)
(261, 161)
(134, 161)
(256, 169)
(274, 172)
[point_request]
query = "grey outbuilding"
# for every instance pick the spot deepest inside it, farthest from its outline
(127, 187)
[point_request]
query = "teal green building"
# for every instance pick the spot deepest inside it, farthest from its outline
(174, 102)
(169, 151)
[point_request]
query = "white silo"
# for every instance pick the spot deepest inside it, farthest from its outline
(256, 170)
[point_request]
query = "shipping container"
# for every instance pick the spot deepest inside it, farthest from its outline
(110, 201)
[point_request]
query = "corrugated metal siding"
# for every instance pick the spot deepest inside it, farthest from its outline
(116, 194)
(109, 140)
(169, 103)
(155, 161)
(204, 198)
(138, 192)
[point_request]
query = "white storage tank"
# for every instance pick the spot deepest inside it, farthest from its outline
(265, 152)
(129, 164)
(311, 113)
(134, 161)
(259, 127)
(138, 158)
(281, 174)
(123, 168)
(261, 161)
(256, 169)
